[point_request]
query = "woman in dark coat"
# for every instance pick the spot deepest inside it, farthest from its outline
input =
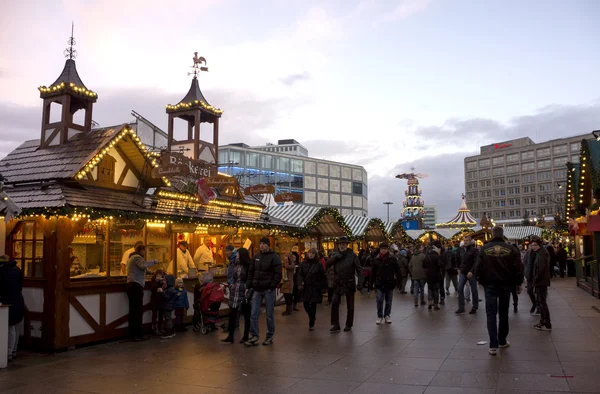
(237, 296)
(11, 293)
(433, 274)
(311, 283)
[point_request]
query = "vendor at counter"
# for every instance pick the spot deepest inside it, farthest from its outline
(204, 255)
(184, 260)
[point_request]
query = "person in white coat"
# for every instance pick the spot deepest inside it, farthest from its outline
(125, 258)
(184, 260)
(204, 255)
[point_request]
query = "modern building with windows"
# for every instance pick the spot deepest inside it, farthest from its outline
(291, 147)
(511, 179)
(430, 218)
(321, 183)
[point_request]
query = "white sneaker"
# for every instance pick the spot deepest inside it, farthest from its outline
(507, 344)
(379, 320)
(493, 351)
(388, 320)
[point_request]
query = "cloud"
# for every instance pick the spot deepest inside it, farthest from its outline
(407, 8)
(293, 78)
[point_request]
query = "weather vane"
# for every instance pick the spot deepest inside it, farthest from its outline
(70, 52)
(198, 61)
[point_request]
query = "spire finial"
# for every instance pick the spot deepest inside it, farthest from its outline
(463, 196)
(198, 61)
(70, 52)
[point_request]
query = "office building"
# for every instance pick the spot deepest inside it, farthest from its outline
(510, 179)
(291, 147)
(430, 218)
(321, 183)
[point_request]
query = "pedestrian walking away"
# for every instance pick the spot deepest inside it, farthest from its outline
(264, 274)
(136, 280)
(433, 274)
(346, 268)
(417, 274)
(237, 296)
(499, 269)
(287, 284)
(311, 283)
(452, 266)
(402, 257)
(386, 276)
(529, 262)
(466, 275)
(541, 281)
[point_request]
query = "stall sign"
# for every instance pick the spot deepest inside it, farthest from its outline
(129, 224)
(169, 170)
(288, 197)
(259, 189)
(195, 168)
(181, 228)
(221, 181)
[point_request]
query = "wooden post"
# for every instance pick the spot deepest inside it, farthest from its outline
(88, 116)
(66, 103)
(216, 139)
(197, 135)
(170, 132)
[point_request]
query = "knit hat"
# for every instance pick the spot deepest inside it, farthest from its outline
(536, 240)
(266, 241)
(403, 252)
(383, 245)
(230, 247)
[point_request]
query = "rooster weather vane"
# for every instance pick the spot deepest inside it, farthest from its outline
(198, 65)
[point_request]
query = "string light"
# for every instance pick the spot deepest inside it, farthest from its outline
(195, 104)
(61, 87)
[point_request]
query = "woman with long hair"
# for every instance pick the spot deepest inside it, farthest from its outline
(287, 286)
(238, 301)
(311, 282)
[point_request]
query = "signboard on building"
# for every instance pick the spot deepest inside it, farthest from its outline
(288, 197)
(410, 224)
(221, 181)
(177, 164)
(259, 189)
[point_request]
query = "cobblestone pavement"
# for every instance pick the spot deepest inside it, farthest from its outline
(421, 352)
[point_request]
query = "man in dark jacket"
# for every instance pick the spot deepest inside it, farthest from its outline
(386, 275)
(346, 268)
(498, 269)
(433, 274)
(452, 265)
(11, 293)
(264, 274)
(529, 262)
(466, 274)
(541, 281)
(562, 256)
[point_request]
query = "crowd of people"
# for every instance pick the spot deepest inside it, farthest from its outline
(499, 267)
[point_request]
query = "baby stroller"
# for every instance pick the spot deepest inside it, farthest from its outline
(212, 296)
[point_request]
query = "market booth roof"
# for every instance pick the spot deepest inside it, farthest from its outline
(325, 222)
(463, 218)
(522, 232)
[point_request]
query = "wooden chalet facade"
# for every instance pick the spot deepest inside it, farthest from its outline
(87, 195)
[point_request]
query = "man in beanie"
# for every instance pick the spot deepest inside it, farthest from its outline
(386, 276)
(541, 281)
(264, 274)
(499, 269)
(346, 268)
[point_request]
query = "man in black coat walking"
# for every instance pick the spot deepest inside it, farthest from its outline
(466, 274)
(346, 268)
(264, 274)
(499, 270)
(386, 275)
(541, 281)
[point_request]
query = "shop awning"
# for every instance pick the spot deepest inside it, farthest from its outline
(357, 224)
(514, 233)
(325, 222)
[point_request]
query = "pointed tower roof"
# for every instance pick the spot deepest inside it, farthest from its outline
(194, 99)
(463, 218)
(69, 80)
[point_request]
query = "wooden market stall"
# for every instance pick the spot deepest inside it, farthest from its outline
(88, 195)
(582, 211)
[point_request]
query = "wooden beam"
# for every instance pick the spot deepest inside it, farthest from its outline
(123, 174)
(89, 319)
(128, 161)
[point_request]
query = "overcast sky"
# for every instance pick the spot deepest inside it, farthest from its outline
(386, 84)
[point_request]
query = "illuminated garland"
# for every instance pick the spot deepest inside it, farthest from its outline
(334, 213)
(195, 104)
(376, 223)
(397, 228)
(96, 214)
(125, 132)
(77, 90)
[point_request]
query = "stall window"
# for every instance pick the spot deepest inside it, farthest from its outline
(106, 170)
(28, 249)
(158, 246)
(87, 251)
(123, 237)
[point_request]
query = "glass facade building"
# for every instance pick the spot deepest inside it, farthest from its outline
(320, 182)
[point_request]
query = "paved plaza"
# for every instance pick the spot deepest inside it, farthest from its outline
(421, 352)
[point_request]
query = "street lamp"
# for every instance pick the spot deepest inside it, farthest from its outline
(388, 203)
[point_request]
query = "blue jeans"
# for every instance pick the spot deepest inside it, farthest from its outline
(388, 295)
(497, 301)
(257, 298)
(462, 280)
(418, 287)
